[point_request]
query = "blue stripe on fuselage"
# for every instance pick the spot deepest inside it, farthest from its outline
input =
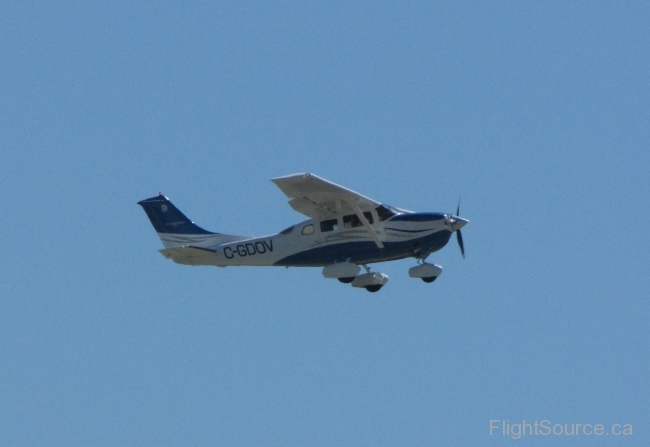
(417, 217)
(362, 252)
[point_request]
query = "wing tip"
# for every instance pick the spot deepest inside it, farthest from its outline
(299, 175)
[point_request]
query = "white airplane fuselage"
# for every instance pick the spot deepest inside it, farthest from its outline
(403, 235)
(346, 230)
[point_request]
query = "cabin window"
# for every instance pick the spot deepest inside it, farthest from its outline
(329, 225)
(384, 213)
(287, 230)
(352, 220)
(307, 230)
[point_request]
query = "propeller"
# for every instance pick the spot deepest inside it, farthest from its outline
(459, 236)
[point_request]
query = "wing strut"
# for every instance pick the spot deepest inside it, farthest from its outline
(366, 224)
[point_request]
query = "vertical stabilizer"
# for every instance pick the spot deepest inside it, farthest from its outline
(168, 219)
(176, 230)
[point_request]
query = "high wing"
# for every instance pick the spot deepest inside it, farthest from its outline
(320, 199)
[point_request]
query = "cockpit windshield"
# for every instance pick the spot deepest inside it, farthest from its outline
(385, 212)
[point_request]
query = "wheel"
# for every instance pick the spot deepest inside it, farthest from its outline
(429, 279)
(346, 280)
(373, 288)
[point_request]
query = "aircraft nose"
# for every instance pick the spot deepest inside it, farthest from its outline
(458, 222)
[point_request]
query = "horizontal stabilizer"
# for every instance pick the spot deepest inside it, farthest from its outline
(190, 255)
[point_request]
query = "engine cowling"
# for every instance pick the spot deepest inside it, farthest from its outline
(341, 270)
(425, 271)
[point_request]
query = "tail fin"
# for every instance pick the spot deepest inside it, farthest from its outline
(176, 230)
(166, 218)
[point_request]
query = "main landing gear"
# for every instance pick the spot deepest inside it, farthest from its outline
(371, 281)
(348, 273)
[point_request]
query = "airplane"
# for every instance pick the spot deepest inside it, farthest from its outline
(345, 230)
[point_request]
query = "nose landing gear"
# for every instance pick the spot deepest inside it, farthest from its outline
(427, 272)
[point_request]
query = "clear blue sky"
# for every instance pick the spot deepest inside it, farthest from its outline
(536, 114)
